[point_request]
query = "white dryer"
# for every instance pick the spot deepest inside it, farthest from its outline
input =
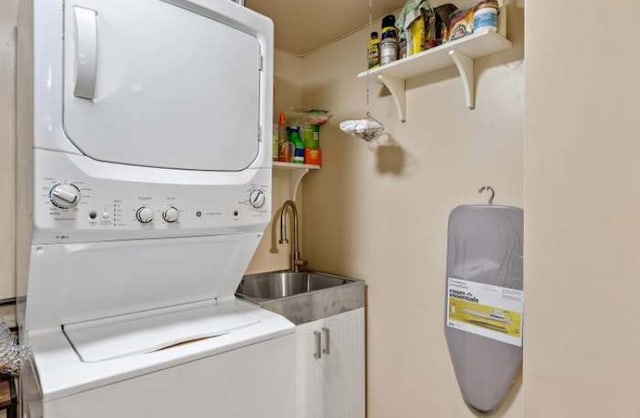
(145, 187)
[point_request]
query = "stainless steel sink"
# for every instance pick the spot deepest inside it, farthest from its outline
(282, 284)
(302, 297)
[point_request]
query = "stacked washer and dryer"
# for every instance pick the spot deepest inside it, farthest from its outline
(145, 187)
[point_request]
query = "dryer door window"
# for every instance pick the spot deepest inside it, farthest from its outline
(153, 84)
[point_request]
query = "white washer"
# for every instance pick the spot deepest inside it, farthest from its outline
(144, 128)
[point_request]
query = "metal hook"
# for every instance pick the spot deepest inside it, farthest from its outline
(493, 193)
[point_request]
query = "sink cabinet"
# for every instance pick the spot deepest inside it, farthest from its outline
(329, 314)
(331, 367)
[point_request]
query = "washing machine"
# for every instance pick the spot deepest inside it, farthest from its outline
(144, 157)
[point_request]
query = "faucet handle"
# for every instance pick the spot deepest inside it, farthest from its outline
(300, 263)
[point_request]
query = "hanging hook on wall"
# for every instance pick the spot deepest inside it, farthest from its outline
(489, 188)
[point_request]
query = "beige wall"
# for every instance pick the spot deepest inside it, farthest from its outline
(8, 10)
(582, 210)
(380, 213)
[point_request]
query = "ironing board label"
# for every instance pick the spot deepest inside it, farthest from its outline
(490, 311)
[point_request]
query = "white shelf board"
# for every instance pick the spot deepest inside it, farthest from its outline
(461, 53)
(295, 166)
(476, 45)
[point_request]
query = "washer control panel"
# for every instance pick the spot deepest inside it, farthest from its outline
(70, 209)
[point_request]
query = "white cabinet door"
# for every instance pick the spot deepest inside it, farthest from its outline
(331, 367)
(152, 83)
(344, 365)
(309, 390)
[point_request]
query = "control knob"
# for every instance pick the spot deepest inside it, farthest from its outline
(65, 196)
(170, 215)
(144, 215)
(257, 199)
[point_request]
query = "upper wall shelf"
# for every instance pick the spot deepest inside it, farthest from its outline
(461, 52)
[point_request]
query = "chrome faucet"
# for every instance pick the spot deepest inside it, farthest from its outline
(297, 263)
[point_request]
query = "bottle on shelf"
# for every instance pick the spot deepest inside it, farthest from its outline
(373, 53)
(389, 42)
(418, 34)
(312, 152)
(298, 145)
(313, 156)
(284, 149)
(275, 148)
(311, 136)
(402, 48)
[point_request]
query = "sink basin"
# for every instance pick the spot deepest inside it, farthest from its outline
(302, 297)
(285, 283)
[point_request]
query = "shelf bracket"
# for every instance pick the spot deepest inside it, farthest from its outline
(397, 88)
(465, 67)
(295, 179)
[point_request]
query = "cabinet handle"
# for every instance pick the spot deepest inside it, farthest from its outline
(318, 354)
(327, 341)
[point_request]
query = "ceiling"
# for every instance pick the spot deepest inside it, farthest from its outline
(303, 26)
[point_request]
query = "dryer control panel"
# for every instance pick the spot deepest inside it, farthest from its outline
(80, 207)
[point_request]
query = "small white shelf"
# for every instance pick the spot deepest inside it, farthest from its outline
(461, 53)
(296, 173)
(294, 166)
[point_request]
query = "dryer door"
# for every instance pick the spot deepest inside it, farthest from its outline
(153, 84)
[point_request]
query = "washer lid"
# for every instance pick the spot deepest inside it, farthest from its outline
(153, 84)
(112, 338)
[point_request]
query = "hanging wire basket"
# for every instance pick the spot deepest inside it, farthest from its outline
(367, 129)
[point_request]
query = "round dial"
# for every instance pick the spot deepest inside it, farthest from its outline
(257, 199)
(170, 215)
(65, 196)
(144, 215)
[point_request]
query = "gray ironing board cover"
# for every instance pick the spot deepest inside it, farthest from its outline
(485, 247)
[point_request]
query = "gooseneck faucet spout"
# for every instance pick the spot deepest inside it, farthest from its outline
(297, 263)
